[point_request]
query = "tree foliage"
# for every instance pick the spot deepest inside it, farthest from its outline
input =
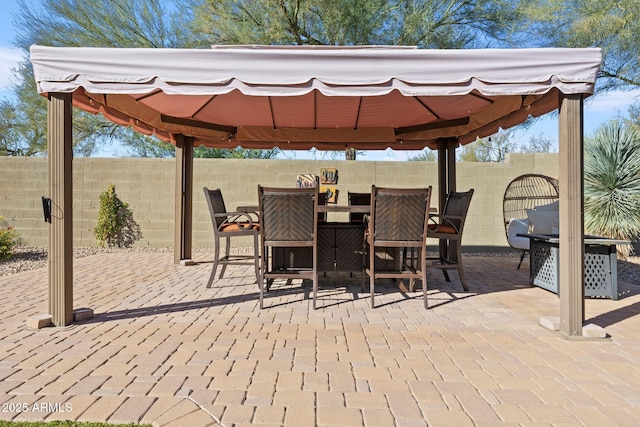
(491, 149)
(613, 25)
(536, 144)
(496, 147)
(116, 23)
(426, 156)
(611, 184)
(427, 23)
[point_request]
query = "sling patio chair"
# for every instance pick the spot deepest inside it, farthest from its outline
(288, 220)
(398, 219)
(449, 225)
(227, 225)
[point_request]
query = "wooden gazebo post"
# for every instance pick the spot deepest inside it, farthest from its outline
(59, 140)
(182, 242)
(446, 182)
(571, 252)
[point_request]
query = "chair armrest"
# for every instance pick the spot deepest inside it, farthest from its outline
(443, 219)
(236, 217)
(517, 226)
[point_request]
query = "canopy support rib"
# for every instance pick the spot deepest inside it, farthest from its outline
(198, 124)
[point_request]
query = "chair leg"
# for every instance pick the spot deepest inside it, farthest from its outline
(315, 288)
(225, 259)
(372, 274)
(423, 258)
(446, 275)
(460, 272)
(256, 256)
(521, 258)
(261, 290)
(364, 264)
(216, 257)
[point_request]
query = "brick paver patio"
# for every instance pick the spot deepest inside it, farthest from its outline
(164, 349)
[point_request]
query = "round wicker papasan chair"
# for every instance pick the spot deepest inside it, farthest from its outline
(524, 194)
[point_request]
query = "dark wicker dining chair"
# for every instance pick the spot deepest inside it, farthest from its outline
(322, 200)
(288, 220)
(398, 219)
(358, 199)
(449, 225)
(227, 225)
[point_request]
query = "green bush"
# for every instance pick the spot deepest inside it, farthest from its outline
(116, 226)
(8, 241)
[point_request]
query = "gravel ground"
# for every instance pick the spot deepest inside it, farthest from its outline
(29, 258)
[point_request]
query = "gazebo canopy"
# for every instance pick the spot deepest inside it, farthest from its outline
(331, 98)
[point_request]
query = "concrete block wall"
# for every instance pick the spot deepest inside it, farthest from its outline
(147, 185)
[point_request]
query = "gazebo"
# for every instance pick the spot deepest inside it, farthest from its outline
(330, 98)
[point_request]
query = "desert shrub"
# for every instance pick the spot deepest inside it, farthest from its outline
(116, 226)
(8, 241)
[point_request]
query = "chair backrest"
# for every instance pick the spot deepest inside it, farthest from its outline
(456, 208)
(400, 215)
(288, 214)
(527, 192)
(358, 199)
(322, 200)
(215, 202)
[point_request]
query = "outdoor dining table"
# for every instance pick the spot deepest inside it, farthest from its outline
(339, 243)
(321, 208)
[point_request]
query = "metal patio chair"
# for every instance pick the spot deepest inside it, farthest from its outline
(449, 226)
(225, 226)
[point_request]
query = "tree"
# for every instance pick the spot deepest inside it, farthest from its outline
(117, 23)
(612, 25)
(492, 149)
(611, 184)
(429, 23)
(426, 156)
(237, 153)
(8, 145)
(536, 144)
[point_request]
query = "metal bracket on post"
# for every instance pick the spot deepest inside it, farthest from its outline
(46, 209)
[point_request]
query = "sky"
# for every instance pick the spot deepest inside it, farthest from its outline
(597, 109)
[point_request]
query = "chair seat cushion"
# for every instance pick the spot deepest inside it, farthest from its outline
(238, 226)
(441, 228)
(518, 226)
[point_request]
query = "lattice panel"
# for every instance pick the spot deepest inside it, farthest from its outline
(544, 265)
(596, 271)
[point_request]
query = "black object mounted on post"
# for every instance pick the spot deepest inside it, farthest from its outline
(46, 209)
